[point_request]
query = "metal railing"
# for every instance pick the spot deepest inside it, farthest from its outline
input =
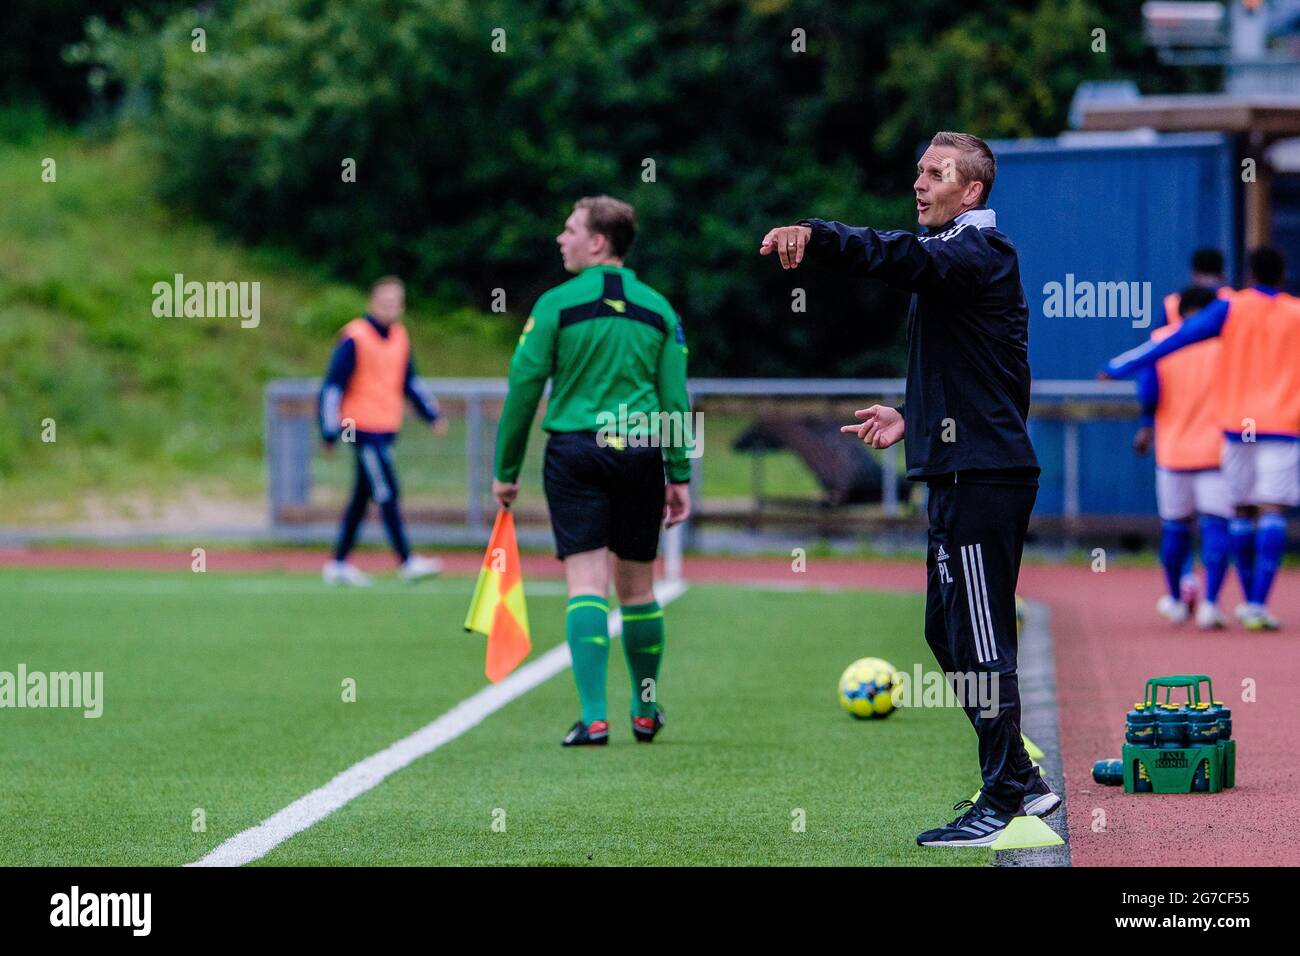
(451, 502)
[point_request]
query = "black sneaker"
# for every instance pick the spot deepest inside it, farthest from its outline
(1040, 799)
(977, 826)
(595, 734)
(645, 728)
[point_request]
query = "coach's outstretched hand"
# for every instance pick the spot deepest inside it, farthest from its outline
(881, 426)
(788, 242)
(677, 504)
(505, 492)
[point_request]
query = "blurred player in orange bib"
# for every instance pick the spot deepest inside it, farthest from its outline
(1188, 442)
(1185, 431)
(370, 378)
(1256, 398)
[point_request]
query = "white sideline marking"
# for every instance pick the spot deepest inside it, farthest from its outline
(163, 587)
(256, 842)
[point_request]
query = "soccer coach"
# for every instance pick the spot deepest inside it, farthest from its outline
(963, 419)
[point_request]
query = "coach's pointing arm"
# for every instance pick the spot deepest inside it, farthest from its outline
(948, 262)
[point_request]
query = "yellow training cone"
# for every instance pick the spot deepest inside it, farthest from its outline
(1024, 833)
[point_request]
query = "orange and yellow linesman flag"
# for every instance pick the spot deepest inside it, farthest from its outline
(497, 609)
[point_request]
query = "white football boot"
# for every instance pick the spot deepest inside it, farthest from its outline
(417, 566)
(1209, 617)
(1261, 620)
(341, 572)
(1171, 609)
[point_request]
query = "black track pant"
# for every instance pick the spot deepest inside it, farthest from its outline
(977, 535)
(375, 478)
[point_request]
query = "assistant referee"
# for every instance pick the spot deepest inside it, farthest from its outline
(963, 420)
(616, 353)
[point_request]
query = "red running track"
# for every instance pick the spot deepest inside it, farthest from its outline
(1107, 640)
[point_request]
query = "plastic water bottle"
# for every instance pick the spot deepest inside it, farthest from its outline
(1140, 726)
(1109, 773)
(1171, 727)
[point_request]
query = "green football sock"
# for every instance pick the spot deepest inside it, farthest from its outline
(586, 625)
(643, 643)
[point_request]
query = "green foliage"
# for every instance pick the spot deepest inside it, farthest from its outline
(468, 157)
(23, 123)
(140, 401)
(32, 68)
(1006, 76)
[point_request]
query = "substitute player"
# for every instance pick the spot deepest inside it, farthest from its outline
(1206, 273)
(370, 375)
(615, 351)
(1188, 441)
(1257, 399)
(963, 418)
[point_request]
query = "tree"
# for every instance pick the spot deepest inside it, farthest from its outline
(474, 126)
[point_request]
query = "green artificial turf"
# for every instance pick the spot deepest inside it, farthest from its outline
(223, 692)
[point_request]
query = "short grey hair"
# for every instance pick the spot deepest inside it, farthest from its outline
(975, 162)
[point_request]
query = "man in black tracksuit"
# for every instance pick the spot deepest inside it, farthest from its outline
(963, 418)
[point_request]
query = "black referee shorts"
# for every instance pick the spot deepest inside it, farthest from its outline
(603, 497)
(976, 538)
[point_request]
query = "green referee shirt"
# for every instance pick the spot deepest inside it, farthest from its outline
(617, 353)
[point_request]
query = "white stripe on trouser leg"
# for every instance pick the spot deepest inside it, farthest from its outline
(975, 623)
(989, 635)
(975, 588)
(378, 486)
(980, 601)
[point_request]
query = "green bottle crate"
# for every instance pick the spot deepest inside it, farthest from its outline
(1174, 769)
